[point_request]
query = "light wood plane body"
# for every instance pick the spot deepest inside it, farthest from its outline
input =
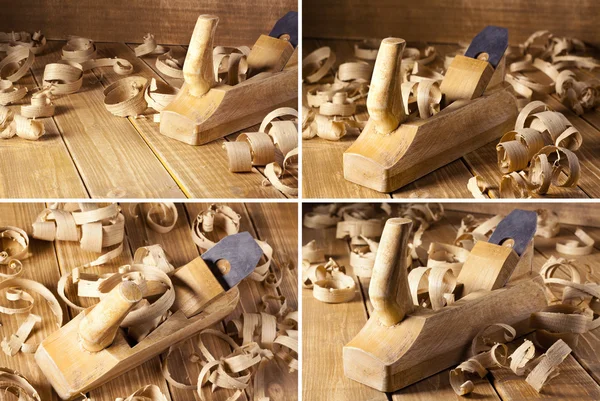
(416, 148)
(226, 109)
(71, 370)
(427, 342)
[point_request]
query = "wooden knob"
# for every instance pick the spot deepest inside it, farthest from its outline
(99, 326)
(384, 102)
(389, 291)
(198, 67)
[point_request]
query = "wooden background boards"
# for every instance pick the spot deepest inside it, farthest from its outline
(448, 21)
(328, 327)
(322, 160)
(88, 152)
(275, 223)
(171, 21)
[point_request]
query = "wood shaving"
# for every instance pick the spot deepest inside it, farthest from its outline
(149, 47)
(125, 97)
(312, 253)
(41, 105)
(94, 227)
(17, 63)
(538, 153)
(18, 290)
(171, 64)
(220, 217)
(158, 94)
(547, 367)
(161, 217)
(153, 255)
(14, 124)
(547, 224)
(12, 382)
(150, 392)
(575, 247)
(79, 49)
(230, 64)
(15, 248)
(329, 282)
(554, 57)
(36, 42)
(362, 261)
(10, 93)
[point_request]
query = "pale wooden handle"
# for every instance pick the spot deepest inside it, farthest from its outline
(389, 291)
(99, 326)
(198, 66)
(384, 102)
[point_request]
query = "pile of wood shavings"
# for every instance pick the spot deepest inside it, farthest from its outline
(537, 154)
(555, 57)
(334, 98)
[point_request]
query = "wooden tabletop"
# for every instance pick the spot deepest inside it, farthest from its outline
(89, 153)
(328, 327)
(322, 160)
(275, 223)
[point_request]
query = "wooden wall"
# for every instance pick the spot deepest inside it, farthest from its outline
(171, 21)
(449, 21)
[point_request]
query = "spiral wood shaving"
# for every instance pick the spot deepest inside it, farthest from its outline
(538, 153)
(10, 93)
(12, 382)
(14, 124)
(275, 139)
(554, 56)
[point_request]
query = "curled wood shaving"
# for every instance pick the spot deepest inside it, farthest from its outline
(17, 63)
(36, 42)
(14, 124)
(230, 64)
(79, 49)
(446, 255)
(41, 105)
(330, 283)
(317, 64)
(161, 217)
(215, 217)
(12, 382)
(150, 392)
(15, 248)
(95, 228)
(438, 281)
(18, 290)
(158, 94)
(125, 97)
(538, 153)
(64, 76)
(554, 54)
(481, 189)
(312, 253)
(479, 364)
(10, 93)
(472, 230)
(171, 64)
(547, 366)
(547, 223)
(153, 255)
(149, 46)
(363, 261)
(574, 247)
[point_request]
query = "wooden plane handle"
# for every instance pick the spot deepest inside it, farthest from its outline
(99, 326)
(198, 66)
(384, 102)
(389, 291)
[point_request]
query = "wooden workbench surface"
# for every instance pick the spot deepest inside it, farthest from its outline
(328, 327)
(275, 223)
(323, 177)
(88, 152)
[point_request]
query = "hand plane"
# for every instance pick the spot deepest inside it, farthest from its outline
(393, 151)
(403, 343)
(92, 348)
(205, 110)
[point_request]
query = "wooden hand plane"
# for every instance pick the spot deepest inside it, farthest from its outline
(393, 151)
(403, 343)
(205, 110)
(92, 349)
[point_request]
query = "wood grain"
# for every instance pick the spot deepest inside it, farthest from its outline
(108, 151)
(38, 169)
(448, 22)
(170, 21)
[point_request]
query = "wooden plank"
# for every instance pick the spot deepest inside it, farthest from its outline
(69, 256)
(199, 170)
(326, 329)
(281, 383)
(42, 267)
(38, 169)
(432, 21)
(181, 249)
(171, 21)
(108, 151)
